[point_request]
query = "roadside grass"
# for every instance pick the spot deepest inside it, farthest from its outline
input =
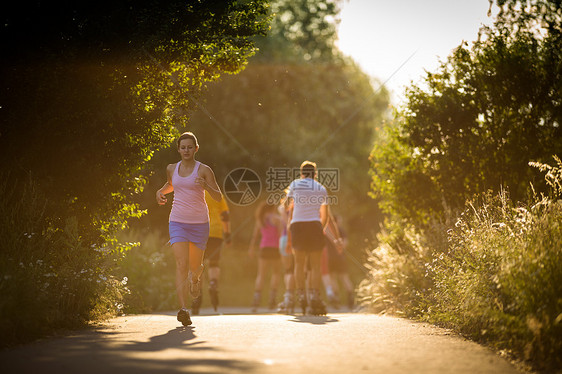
(493, 274)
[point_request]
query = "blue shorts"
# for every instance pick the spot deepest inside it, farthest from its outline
(196, 233)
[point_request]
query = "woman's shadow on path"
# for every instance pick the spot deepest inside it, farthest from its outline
(175, 338)
(100, 350)
(178, 338)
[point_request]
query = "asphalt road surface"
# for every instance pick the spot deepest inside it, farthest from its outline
(237, 342)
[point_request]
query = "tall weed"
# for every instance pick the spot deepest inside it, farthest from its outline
(497, 278)
(397, 281)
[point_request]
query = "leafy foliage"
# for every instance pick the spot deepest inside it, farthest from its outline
(480, 118)
(84, 115)
(90, 91)
(301, 31)
(51, 278)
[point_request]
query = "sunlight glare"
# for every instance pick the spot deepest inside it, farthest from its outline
(380, 35)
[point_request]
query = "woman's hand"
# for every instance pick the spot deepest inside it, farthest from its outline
(161, 198)
(202, 182)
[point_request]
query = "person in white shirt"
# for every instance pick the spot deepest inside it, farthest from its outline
(308, 215)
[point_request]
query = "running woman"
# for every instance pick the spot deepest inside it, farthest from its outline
(308, 215)
(189, 218)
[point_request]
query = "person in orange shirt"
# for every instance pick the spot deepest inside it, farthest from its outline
(219, 235)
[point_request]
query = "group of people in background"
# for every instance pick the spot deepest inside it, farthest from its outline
(304, 237)
(298, 238)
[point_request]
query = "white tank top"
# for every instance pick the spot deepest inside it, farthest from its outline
(308, 195)
(189, 198)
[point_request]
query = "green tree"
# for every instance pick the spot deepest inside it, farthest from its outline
(469, 130)
(476, 122)
(301, 30)
(89, 91)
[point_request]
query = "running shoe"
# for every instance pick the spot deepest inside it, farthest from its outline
(317, 307)
(183, 317)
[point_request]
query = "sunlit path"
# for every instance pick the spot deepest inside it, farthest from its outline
(260, 343)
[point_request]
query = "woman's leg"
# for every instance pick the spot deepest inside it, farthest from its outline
(261, 273)
(289, 282)
(258, 284)
(196, 259)
(275, 273)
(289, 276)
(181, 254)
(274, 266)
(315, 258)
(317, 306)
(300, 278)
(195, 268)
(300, 274)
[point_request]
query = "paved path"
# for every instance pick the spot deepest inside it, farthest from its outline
(262, 343)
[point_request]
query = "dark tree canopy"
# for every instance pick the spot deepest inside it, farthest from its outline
(90, 90)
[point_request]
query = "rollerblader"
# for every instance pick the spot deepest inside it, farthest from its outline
(308, 215)
(268, 226)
